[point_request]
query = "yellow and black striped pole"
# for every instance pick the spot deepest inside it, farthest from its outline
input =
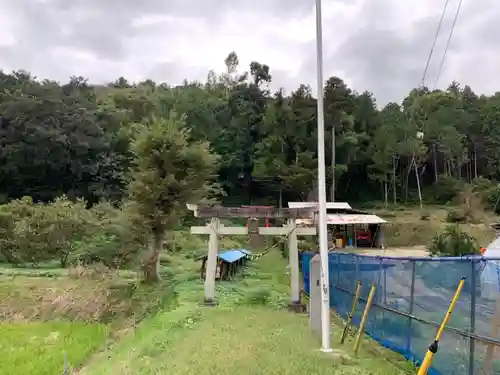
(353, 311)
(433, 348)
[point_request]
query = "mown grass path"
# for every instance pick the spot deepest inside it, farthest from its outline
(248, 333)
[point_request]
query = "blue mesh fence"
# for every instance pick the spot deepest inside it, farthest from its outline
(412, 297)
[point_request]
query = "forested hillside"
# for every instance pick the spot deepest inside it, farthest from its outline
(74, 137)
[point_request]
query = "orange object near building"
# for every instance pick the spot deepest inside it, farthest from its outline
(482, 250)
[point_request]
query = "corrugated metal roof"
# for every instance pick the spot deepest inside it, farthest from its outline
(346, 219)
(232, 256)
(304, 221)
(354, 219)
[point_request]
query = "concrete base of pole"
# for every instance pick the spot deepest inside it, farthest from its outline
(329, 350)
(209, 302)
(340, 354)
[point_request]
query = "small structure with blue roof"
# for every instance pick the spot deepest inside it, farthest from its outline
(229, 262)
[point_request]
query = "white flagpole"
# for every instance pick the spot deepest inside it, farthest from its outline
(323, 240)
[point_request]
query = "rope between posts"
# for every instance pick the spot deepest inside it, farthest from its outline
(267, 250)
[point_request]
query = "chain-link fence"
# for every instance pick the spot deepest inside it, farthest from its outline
(412, 297)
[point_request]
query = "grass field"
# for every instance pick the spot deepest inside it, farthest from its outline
(248, 333)
(110, 324)
(242, 339)
(38, 348)
(45, 313)
(113, 325)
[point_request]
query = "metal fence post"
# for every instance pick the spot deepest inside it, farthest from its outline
(410, 310)
(385, 285)
(472, 342)
(338, 270)
(381, 295)
(357, 267)
(379, 280)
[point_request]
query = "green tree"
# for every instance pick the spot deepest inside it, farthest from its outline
(168, 172)
(383, 151)
(75, 138)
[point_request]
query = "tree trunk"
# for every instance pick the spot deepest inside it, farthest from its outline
(469, 169)
(434, 155)
(418, 184)
(63, 260)
(386, 193)
(151, 265)
(394, 193)
(408, 179)
(475, 161)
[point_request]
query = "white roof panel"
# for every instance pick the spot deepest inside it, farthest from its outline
(346, 219)
(329, 205)
(334, 219)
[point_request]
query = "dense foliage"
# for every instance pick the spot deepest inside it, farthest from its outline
(150, 148)
(66, 231)
(74, 138)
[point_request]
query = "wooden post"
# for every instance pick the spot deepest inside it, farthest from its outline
(293, 257)
(213, 252)
(364, 319)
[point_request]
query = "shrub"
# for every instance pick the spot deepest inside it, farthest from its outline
(456, 216)
(107, 240)
(492, 198)
(33, 232)
(481, 184)
(63, 230)
(453, 242)
(470, 207)
(445, 189)
(488, 192)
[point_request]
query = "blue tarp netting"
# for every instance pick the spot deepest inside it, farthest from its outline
(434, 283)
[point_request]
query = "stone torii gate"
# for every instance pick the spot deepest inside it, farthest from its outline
(215, 229)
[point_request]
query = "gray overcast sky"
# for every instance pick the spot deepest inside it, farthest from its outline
(375, 45)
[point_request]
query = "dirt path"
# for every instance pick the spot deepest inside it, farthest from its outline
(411, 251)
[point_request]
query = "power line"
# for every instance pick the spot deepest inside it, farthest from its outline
(459, 7)
(434, 41)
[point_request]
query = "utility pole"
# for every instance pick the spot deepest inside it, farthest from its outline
(333, 164)
(323, 233)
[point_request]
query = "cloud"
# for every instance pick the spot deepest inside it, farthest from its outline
(175, 73)
(380, 46)
(386, 62)
(387, 50)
